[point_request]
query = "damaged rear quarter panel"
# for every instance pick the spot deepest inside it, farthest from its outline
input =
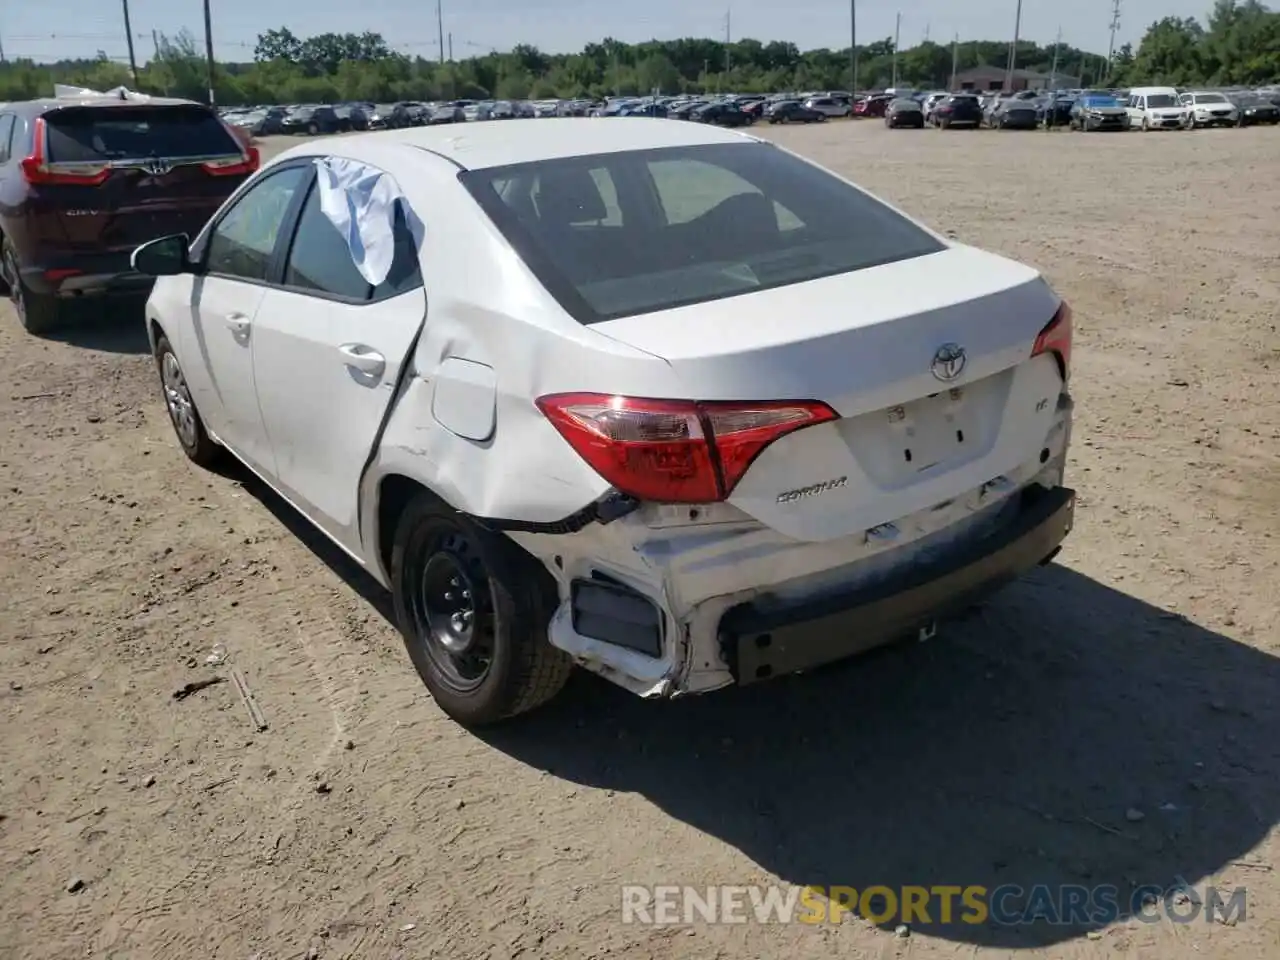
(484, 306)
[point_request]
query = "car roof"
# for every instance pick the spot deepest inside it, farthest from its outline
(484, 145)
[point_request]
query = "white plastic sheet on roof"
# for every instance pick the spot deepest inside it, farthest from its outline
(65, 91)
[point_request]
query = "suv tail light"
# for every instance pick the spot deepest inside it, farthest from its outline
(674, 451)
(234, 166)
(1056, 339)
(39, 173)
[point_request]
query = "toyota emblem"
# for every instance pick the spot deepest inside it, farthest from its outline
(948, 361)
(157, 168)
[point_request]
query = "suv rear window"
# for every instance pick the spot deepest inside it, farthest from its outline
(618, 234)
(93, 134)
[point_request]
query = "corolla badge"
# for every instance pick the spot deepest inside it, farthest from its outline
(948, 361)
(801, 493)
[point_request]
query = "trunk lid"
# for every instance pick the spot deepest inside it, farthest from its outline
(157, 180)
(865, 343)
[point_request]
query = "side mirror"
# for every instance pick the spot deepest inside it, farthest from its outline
(163, 257)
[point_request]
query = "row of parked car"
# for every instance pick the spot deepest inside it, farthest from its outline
(322, 119)
(1142, 108)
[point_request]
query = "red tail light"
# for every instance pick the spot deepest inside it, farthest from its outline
(234, 166)
(39, 173)
(674, 451)
(1056, 339)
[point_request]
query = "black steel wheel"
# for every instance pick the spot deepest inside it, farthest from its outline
(452, 612)
(473, 609)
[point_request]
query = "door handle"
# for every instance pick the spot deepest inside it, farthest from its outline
(364, 359)
(238, 324)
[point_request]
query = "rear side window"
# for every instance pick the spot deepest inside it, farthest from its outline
(94, 134)
(320, 261)
(686, 225)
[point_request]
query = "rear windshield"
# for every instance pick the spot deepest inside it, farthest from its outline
(618, 234)
(89, 134)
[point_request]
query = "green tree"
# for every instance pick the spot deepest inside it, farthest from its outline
(277, 45)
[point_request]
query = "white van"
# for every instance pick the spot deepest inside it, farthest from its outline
(1156, 108)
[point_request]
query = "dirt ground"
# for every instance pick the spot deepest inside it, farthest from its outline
(1115, 719)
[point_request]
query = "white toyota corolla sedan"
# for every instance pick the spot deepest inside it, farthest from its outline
(662, 400)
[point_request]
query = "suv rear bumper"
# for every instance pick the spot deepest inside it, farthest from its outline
(758, 645)
(89, 276)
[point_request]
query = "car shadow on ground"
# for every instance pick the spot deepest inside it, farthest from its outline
(315, 541)
(112, 326)
(1018, 748)
(1008, 752)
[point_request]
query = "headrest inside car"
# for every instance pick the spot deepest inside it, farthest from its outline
(568, 196)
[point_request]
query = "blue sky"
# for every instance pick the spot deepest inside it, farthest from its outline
(57, 28)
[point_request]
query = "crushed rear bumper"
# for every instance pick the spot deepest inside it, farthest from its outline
(759, 644)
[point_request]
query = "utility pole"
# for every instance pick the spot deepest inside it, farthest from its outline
(128, 35)
(451, 46)
(853, 46)
(897, 29)
(1111, 47)
(440, 28)
(926, 32)
(728, 38)
(955, 55)
(1053, 70)
(1013, 49)
(208, 49)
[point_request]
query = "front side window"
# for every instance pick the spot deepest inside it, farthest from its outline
(241, 244)
(686, 225)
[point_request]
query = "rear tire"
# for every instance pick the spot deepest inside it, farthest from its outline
(38, 313)
(473, 610)
(183, 416)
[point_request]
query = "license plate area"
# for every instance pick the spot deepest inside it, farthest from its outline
(911, 442)
(930, 431)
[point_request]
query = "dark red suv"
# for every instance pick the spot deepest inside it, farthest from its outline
(84, 181)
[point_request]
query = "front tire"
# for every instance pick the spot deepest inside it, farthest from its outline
(187, 425)
(473, 610)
